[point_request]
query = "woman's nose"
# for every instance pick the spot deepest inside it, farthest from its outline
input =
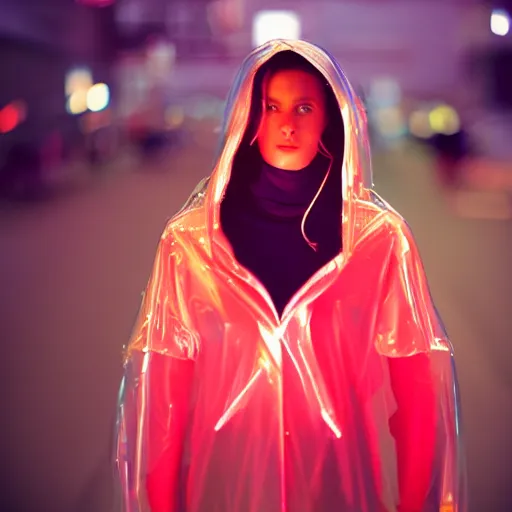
(288, 130)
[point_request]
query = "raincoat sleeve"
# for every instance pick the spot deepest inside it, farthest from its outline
(154, 396)
(423, 379)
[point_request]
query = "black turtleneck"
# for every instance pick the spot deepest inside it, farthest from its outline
(261, 217)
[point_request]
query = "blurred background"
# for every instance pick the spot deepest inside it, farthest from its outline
(109, 112)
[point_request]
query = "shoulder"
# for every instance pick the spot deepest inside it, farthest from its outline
(380, 218)
(191, 218)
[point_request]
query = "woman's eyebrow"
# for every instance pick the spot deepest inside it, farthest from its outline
(296, 100)
(306, 99)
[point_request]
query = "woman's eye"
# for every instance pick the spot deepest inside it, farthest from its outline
(304, 109)
(271, 108)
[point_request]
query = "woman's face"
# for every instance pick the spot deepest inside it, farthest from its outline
(294, 119)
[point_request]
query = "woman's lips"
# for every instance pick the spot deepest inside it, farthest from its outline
(287, 148)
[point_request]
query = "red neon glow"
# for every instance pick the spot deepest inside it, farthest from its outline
(11, 116)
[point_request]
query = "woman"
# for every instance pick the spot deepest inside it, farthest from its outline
(288, 356)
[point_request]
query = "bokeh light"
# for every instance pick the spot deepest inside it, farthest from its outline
(77, 102)
(269, 25)
(98, 97)
(78, 79)
(12, 115)
(445, 120)
(500, 22)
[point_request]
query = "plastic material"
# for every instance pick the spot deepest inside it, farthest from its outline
(348, 402)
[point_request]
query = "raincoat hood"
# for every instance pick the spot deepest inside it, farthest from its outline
(356, 168)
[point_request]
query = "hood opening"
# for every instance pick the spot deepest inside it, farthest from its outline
(248, 160)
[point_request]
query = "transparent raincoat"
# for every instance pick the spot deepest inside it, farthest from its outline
(346, 402)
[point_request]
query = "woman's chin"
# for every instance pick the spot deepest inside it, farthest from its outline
(289, 162)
